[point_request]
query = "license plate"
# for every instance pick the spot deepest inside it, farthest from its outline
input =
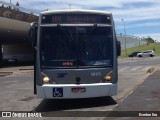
(79, 90)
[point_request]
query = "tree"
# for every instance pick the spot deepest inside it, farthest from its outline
(149, 40)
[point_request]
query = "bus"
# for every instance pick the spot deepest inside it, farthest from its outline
(75, 54)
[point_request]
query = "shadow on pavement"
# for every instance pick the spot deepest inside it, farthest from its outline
(7, 65)
(68, 104)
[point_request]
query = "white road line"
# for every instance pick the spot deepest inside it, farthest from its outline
(142, 68)
(146, 68)
(124, 68)
(136, 68)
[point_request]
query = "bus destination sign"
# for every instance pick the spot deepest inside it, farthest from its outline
(75, 19)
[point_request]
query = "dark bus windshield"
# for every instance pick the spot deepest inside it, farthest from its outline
(70, 46)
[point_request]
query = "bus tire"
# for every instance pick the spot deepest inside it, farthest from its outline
(150, 55)
(139, 56)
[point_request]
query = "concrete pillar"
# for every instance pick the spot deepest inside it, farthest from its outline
(0, 54)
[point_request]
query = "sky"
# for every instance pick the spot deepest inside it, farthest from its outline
(141, 17)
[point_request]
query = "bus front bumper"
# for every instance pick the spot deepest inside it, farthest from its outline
(71, 91)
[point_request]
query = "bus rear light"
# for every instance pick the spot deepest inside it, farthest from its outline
(108, 77)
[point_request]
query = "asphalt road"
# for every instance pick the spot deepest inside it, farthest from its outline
(17, 90)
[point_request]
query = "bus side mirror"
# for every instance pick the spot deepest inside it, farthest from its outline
(118, 48)
(32, 34)
(32, 38)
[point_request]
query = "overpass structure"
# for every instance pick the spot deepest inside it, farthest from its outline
(14, 25)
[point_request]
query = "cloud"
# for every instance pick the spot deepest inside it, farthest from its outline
(90, 4)
(147, 24)
(134, 12)
(130, 10)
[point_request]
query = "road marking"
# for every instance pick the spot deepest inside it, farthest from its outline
(124, 68)
(136, 68)
(146, 68)
(141, 68)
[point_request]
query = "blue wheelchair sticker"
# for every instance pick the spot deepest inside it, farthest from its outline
(58, 92)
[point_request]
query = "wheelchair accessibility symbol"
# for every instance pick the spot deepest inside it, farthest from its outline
(57, 92)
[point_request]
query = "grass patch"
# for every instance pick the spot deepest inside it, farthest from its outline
(155, 46)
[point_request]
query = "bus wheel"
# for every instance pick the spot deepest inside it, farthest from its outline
(139, 56)
(150, 55)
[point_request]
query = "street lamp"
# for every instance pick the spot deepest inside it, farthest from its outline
(124, 37)
(10, 1)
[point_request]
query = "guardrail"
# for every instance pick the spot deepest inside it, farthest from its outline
(11, 6)
(18, 13)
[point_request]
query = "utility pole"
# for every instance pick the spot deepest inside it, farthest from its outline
(125, 44)
(69, 6)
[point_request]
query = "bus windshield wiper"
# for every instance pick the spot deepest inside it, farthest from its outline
(93, 28)
(61, 29)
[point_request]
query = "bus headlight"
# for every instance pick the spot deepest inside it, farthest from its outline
(45, 79)
(108, 77)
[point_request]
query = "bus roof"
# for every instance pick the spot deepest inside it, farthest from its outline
(75, 10)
